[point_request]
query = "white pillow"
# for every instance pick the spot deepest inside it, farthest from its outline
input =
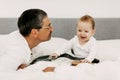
(108, 49)
(49, 47)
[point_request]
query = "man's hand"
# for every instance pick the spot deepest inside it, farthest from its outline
(22, 66)
(49, 69)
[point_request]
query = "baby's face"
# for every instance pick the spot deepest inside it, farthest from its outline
(84, 31)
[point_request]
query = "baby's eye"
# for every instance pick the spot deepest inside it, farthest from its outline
(79, 30)
(86, 31)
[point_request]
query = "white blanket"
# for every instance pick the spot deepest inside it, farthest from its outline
(107, 70)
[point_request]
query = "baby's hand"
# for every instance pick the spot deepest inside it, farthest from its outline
(53, 56)
(84, 61)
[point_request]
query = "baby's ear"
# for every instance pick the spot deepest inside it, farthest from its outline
(94, 31)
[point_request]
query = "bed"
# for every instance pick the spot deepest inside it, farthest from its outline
(108, 43)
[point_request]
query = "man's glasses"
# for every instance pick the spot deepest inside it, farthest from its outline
(48, 27)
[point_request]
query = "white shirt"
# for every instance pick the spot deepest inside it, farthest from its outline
(14, 50)
(88, 50)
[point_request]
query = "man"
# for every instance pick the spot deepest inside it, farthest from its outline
(34, 27)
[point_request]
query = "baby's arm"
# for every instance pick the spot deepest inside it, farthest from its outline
(92, 51)
(62, 50)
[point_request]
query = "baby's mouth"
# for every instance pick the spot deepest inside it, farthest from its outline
(82, 37)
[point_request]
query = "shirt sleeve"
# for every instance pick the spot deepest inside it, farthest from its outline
(92, 50)
(67, 46)
(12, 58)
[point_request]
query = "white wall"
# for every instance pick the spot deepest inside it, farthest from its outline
(63, 8)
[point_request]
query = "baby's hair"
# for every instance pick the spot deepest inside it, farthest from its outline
(87, 18)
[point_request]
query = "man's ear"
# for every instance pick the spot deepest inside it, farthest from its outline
(34, 32)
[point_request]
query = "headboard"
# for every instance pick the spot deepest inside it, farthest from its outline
(106, 28)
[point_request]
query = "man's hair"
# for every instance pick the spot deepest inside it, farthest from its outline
(30, 19)
(87, 18)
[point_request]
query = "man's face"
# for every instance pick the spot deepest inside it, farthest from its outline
(46, 30)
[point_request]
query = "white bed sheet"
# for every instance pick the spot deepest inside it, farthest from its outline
(107, 70)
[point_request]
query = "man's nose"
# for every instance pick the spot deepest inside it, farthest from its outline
(52, 28)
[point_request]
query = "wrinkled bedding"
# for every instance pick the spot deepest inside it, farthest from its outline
(107, 70)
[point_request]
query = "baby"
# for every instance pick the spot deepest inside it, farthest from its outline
(83, 43)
